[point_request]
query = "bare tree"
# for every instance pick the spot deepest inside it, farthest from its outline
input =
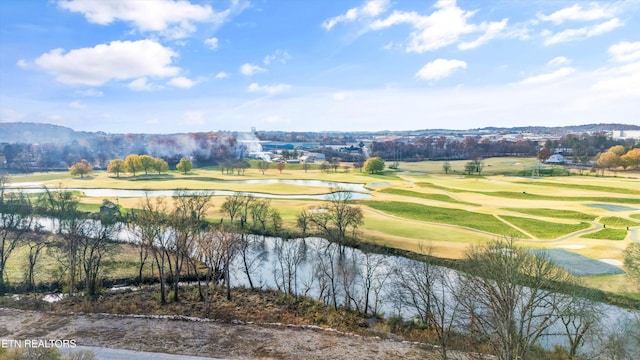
(579, 318)
(505, 293)
(137, 238)
(326, 272)
(374, 276)
(152, 223)
(335, 220)
(233, 204)
(290, 254)
(16, 221)
(95, 243)
(36, 243)
(263, 166)
(429, 292)
(186, 221)
(228, 243)
(62, 205)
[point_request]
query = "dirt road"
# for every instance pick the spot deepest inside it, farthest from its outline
(206, 339)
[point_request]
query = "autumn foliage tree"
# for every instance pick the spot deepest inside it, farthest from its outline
(133, 163)
(81, 168)
(374, 165)
(116, 166)
(184, 165)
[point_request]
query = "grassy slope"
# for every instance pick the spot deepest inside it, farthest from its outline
(554, 213)
(544, 229)
(478, 221)
(607, 234)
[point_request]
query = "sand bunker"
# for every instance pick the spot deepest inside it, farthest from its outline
(572, 246)
(612, 262)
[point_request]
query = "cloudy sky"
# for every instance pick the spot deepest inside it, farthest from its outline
(163, 66)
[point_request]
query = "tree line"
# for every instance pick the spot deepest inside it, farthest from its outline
(99, 149)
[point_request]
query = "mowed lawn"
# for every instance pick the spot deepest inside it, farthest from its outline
(458, 217)
(607, 234)
(554, 213)
(544, 229)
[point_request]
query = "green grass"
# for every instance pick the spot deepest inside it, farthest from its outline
(483, 222)
(607, 234)
(544, 229)
(434, 186)
(635, 216)
(554, 213)
(585, 187)
(617, 221)
(529, 196)
(437, 197)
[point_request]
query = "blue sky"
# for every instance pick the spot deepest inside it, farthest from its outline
(164, 66)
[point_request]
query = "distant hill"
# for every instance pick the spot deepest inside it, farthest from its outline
(36, 133)
(565, 129)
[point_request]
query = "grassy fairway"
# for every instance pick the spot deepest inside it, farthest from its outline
(607, 234)
(458, 217)
(419, 203)
(618, 222)
(544, 229)
(527, 195)
(610, 189)
(437, 197)
(555, 213)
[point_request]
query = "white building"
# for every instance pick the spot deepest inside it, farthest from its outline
(556, 159)
(626, 134)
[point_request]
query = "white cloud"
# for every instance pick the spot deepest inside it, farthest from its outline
(559, 60)
(339, 96)
(10, 115)
(77, 105)
(212, 43)
(268, 89)
(222, 75)
(549, 77)
(440, 69)
(174, 19)
(250, 69)
(619, 82)
(370, 9)
(118, 60)
(23, 64)
(583, 32)
(182, 82)
(441, 28)
(90, 93)
(492, 30)
(193, 118)
(625, 51)
(578, 13)
(278, 56)
(141, 84)
(276, 119)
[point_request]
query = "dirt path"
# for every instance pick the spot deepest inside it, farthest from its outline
(207, 339)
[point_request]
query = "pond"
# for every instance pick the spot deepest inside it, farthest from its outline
(298, 265)
(610, 207)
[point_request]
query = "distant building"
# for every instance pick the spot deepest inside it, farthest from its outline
(312, 157)
(626, 134)
(556, 159)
